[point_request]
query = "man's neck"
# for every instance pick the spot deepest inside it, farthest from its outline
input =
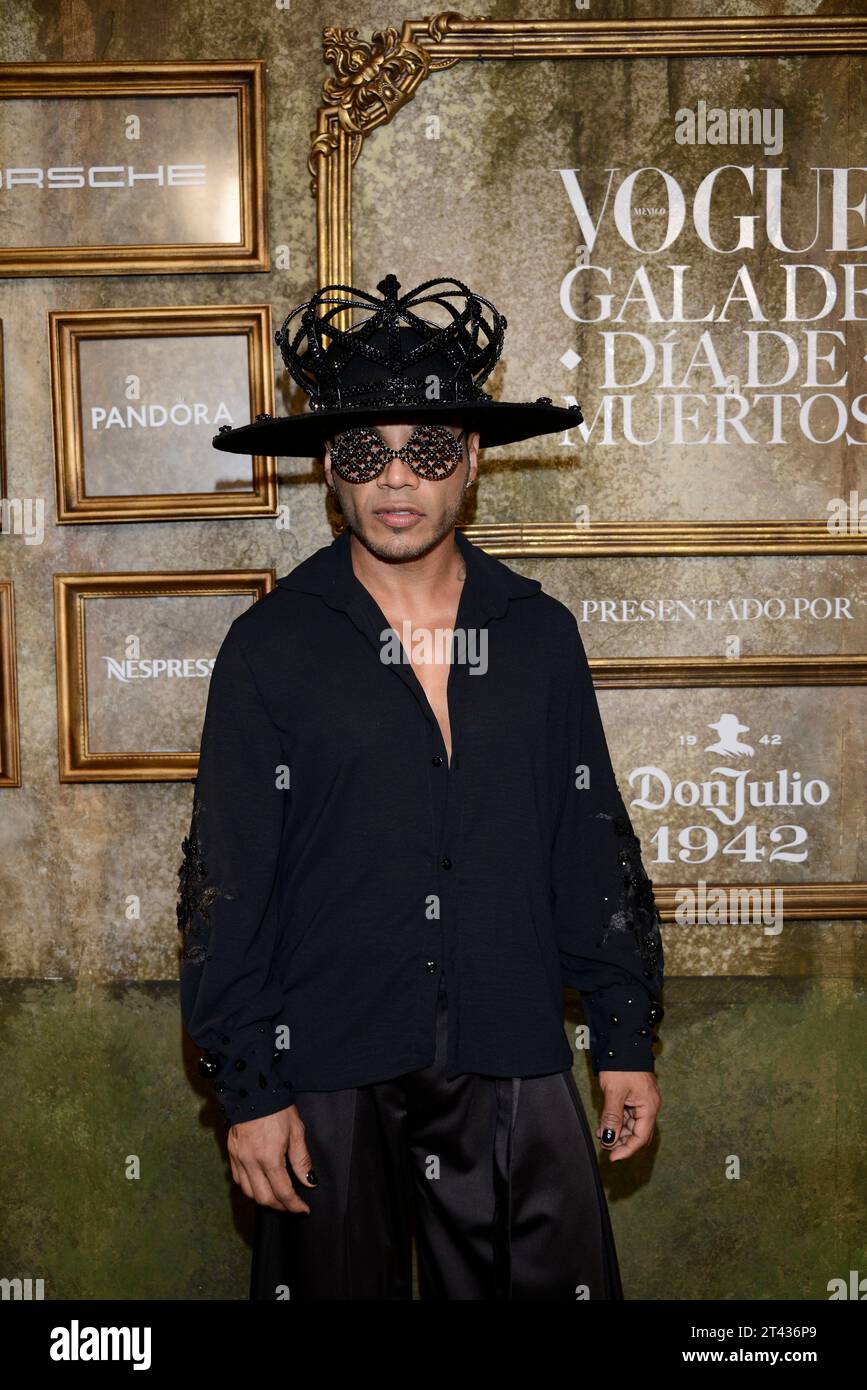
(410, 585)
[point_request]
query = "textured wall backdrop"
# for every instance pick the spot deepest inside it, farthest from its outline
(762, 1053)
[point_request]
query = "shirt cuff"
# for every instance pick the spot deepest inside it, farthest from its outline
(622, 1020)
(249, 1075)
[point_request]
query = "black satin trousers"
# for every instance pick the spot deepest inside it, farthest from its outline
(495, 1177)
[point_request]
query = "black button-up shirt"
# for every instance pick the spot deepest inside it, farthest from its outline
(338, 865)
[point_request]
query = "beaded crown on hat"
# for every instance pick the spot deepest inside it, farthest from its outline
(389, 357)
(400, 360)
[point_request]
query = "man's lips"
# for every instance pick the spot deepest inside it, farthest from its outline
(398, 516)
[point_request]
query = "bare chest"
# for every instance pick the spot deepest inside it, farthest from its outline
(426, 640)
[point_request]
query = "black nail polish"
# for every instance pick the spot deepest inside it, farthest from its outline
(312, 1178)
(608, 1136)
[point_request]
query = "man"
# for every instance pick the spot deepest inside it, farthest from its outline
(402, 848)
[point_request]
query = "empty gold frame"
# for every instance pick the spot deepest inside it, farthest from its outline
(3, 485)
(175, 148)
(171, 651)
(10, 760)
(137, 395)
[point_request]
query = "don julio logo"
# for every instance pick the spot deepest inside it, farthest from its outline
(735, 126)
(729, 792)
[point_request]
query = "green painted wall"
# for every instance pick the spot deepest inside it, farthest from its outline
(771, 1071)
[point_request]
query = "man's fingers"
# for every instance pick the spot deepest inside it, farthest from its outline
(627, 1148)
(263, 1192)
(257, 1156)
(630, 1102)
(611, 1119)
(269, 1186)
(642, 1133)
(615, 1095)
(242, 1180)
(282, 1191)
(299, 1159)
(628, 1125)
(271, 1181)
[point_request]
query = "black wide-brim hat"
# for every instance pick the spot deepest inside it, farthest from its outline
(397, 365)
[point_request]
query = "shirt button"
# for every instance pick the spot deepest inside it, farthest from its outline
(437, 760)
(446, 863)
(430, 966)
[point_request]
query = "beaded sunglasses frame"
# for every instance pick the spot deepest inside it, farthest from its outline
(360, 454)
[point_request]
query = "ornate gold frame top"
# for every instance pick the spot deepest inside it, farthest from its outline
(374, 78)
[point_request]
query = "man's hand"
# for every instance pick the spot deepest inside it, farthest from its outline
(257, 1154)
(629, 1109)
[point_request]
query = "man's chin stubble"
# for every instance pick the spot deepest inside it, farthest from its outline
(398, 547)
(403, 546)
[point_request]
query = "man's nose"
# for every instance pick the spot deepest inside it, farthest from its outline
(397, 473)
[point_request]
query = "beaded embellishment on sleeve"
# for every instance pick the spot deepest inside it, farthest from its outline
(636, 911)
(194, 897)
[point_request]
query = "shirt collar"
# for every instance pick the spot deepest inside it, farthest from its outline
(329, 572)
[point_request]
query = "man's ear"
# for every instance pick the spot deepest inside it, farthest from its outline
(326, 457)
(472, 438)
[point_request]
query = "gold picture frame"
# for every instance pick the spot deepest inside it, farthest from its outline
(370, 82)
(374, 79)
(77, 761)
(69, 329)
(3, 478)
(241, 82)
(804, 901)
(10, 750)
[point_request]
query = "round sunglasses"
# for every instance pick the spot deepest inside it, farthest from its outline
(360, 454)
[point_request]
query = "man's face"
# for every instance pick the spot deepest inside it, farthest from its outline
(398, 515)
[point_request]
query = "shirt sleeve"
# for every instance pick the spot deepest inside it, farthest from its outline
(228, 898)
(607, 922)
